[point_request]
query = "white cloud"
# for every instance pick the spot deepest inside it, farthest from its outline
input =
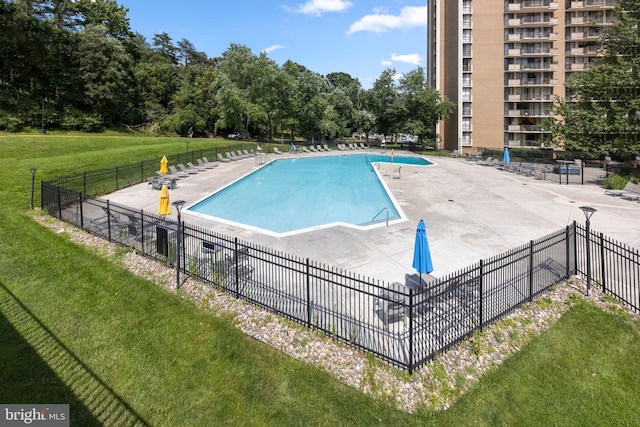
(380, 22)
(272, 48)
(412, 58)
(318, 7)
(387, 63)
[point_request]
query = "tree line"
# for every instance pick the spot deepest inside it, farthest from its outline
(78, 65)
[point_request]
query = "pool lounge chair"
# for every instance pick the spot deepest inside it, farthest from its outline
(207, 162)
(194, 167)
(312, 148)
(364, 147)
(222, 159)
(628, 188)
(326, 148)
(231, 156)
(319, 148)
(276, 150)
(177, 174)
(204, 165)
(304, 150)
(190, 171)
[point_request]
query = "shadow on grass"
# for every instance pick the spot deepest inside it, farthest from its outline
(38, 368)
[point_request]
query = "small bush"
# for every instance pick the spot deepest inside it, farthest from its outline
(10, 123)
(77, 120)
(615, 182)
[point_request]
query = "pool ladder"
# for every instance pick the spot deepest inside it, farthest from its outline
(378, 214)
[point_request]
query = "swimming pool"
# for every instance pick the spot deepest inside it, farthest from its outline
(298, 194)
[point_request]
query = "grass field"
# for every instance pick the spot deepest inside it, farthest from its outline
(76, 328)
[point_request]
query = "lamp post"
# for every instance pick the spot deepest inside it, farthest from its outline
(588, 211)
(178, 204)
(33, 184)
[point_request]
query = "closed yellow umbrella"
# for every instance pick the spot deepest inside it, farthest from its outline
(165, 206)
(163, 165)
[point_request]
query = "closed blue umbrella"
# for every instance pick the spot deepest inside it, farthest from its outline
(421, 255)
(505, 156)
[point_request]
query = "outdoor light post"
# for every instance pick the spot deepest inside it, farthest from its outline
(33, 184)
(178, 204)
(588, 211)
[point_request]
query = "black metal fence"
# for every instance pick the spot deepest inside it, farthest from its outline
(614, 266)
(108, 180)
(405, 324)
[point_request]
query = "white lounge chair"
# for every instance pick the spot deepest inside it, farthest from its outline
(223, 159)
(326, 148)
(204, 165)
(276, 150)
(207, 162)
(190, 171)
(176, 173)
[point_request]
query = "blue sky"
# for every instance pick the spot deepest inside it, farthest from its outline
(358, 37)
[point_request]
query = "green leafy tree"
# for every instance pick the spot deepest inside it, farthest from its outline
(106, 71)
(419, 107)
(603, 111)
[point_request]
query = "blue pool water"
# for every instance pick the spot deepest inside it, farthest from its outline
(298, 193)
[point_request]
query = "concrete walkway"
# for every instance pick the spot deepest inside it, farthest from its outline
(472, 212)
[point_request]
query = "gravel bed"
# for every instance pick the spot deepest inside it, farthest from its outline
(433, 387)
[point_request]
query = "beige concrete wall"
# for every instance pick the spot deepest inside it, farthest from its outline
(488, 73)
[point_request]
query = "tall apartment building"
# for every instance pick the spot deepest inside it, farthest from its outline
(503, 61)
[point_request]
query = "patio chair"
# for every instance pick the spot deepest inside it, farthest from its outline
(396, 172)
(231, 156)
(312, 148)
(390, 305)
(319, 148)
(629, 187)
(364, 147)
(185, 169)
(304, 150)
(207, 162)
(176, 173)
(223, 159)
(276, 150)
(248, 154)
(326, 148)
(153, 182)
(204, 165)
(194, 167)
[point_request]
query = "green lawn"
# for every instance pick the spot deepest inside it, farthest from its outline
(77, 329)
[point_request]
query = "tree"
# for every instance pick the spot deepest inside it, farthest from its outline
(602, 116)
(105, 69)
(419, 106)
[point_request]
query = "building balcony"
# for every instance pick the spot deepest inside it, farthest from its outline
(593, 5)
(523, 128)
(532, 21)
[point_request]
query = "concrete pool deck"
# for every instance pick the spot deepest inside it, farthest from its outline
(471, 211)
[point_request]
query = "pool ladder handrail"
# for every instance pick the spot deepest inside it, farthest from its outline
(378, 214)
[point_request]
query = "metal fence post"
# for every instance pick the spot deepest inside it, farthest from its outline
(481, 273)
(575, 247)
(530, 270)
(108, 220)
(308, 295)
(410, 367)
(235, 256)
(81, 211)
(603, 274)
